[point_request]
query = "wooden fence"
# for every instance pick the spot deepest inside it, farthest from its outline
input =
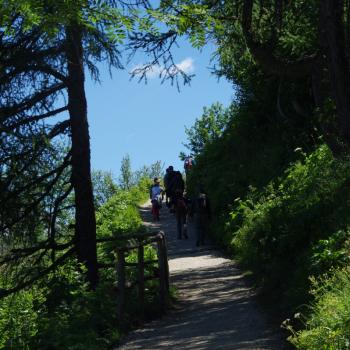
(138, 242)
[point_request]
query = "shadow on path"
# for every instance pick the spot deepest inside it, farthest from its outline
(216, 309)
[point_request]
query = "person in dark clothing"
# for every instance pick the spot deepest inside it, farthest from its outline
(201, 211)
(168, 181)
(169, 173)
(175, 184)
(181, 209)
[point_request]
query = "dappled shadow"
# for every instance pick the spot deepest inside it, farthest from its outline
(216, 309)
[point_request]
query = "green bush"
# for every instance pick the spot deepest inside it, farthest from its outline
(282, 210)
(120, 214)
(61, 312)
(19, 319)
(297, 224)
(74, 317)
(328, 325)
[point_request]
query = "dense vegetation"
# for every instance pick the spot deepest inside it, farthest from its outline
(62, 312)
(274, 163)
(53, 292)
(281, 208)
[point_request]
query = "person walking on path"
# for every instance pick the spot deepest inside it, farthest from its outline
(173, 183)
(216, 307)
(201, 212)
(156, 195)
(166, 181)
(176, 185)
(188, 163)
(169, 185)
(181, 209)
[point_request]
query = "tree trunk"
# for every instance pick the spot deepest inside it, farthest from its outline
(85, 221)
(332, 12)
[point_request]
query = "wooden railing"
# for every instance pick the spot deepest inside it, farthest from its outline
(138, 242)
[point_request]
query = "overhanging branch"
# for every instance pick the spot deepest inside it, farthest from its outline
(263, 53)
(24, 284)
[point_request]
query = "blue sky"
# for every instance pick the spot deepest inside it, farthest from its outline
(148, 121)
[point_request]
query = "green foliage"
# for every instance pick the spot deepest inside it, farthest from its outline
(126, 176)
(61, 312)
(256, 146)
(187, 18)
(118, 215)
(140, 192)
(19, 319)
(208, 128)
(296, 224)
(104, 187)
(278, 194)
(154, 170)
(328, 326)
(73, 316)
(281, 209)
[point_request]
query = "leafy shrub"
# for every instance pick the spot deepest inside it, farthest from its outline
(60, 311)
(19, 319)
(328, 325)
(297, 224)
(74, 317)
(120, 214)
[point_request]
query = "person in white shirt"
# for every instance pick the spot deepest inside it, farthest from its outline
(156, 194)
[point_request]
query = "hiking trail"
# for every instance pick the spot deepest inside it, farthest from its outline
(216, 309)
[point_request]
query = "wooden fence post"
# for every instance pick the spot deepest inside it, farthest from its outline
(121, 283)
(141, 277)
(166, 263)
(162, 273)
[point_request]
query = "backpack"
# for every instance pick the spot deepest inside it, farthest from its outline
(181, 205)
(177, 183)
(188, 163)
(202, 202)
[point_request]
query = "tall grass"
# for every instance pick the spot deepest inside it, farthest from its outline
(328, 325)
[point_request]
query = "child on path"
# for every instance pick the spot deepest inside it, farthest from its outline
(156, 195)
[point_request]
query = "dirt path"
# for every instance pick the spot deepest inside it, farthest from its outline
(216, 308)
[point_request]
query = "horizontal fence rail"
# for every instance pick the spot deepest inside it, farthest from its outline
(125, 243)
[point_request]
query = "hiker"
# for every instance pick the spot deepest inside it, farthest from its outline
(166, 180)
(188, 163)
(156, 195)
(181, 209)
(201, 211)
(175, 184)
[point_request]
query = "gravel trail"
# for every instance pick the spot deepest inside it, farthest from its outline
(216, 309)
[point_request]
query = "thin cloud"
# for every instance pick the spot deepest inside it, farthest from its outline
(156, 70)
(187, 65)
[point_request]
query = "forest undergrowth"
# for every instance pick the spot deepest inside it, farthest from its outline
(61, 311)
(285, 221)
